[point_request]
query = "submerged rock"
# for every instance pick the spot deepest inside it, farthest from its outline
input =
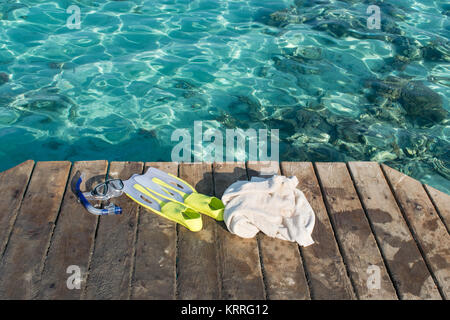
(422, 103)
(437, 51)
(352, 131)
(255, 111)
(189, 90)
(4, 78)
(407, 49)
(284, 119)
(183, 84)
(311, 120)
(416, 144)
(230, 122)
(294, 65)
(148, 133)
(311, 53)
(389, 112)
(384, 156)
(282, 18)
(389, 88)
(419, 101)
(336, 28)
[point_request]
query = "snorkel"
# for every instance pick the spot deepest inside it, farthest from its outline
(110, 209)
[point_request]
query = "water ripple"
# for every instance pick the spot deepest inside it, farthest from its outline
(137, 70)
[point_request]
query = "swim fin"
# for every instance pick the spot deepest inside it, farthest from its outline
(150, 199)
(172, 188)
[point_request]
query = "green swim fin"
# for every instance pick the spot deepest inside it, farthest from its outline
(174, 189)
(150, 199)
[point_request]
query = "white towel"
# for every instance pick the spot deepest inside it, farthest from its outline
(274, 206)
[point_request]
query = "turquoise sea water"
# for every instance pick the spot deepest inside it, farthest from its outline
(136, 70)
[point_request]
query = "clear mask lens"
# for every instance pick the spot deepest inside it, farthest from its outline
(101, 189)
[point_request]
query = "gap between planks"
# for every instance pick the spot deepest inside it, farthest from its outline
(425, 225)
(281, 263)
(405, 264)
(353, 232)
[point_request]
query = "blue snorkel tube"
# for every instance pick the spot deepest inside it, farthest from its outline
(110, 209)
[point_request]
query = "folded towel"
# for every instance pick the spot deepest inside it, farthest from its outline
(274, 206)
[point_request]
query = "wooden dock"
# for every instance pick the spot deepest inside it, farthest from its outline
(379, 235)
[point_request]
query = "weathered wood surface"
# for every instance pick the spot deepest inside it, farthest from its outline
(365, 217)
(113, 257)
(155, 265)
(326, 270)
(198, 278)
(240, 268)
(428, 228)
(408, 269)
(441, 202)
(358, 244)
(282, 265)
(23, 261)
(73, 237)
(13, 184)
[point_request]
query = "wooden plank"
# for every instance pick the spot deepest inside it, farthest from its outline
(441, 202)
(73, 237)
(197, 270)
(403, 258)
(112, 260)
(282, 264)
(13, 184)
(155, 265)
(427, 227)
(24, 257)
(355, 237)
(240, 268)
(328, 277)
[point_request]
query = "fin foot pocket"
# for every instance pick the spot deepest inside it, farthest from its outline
(208, 205)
